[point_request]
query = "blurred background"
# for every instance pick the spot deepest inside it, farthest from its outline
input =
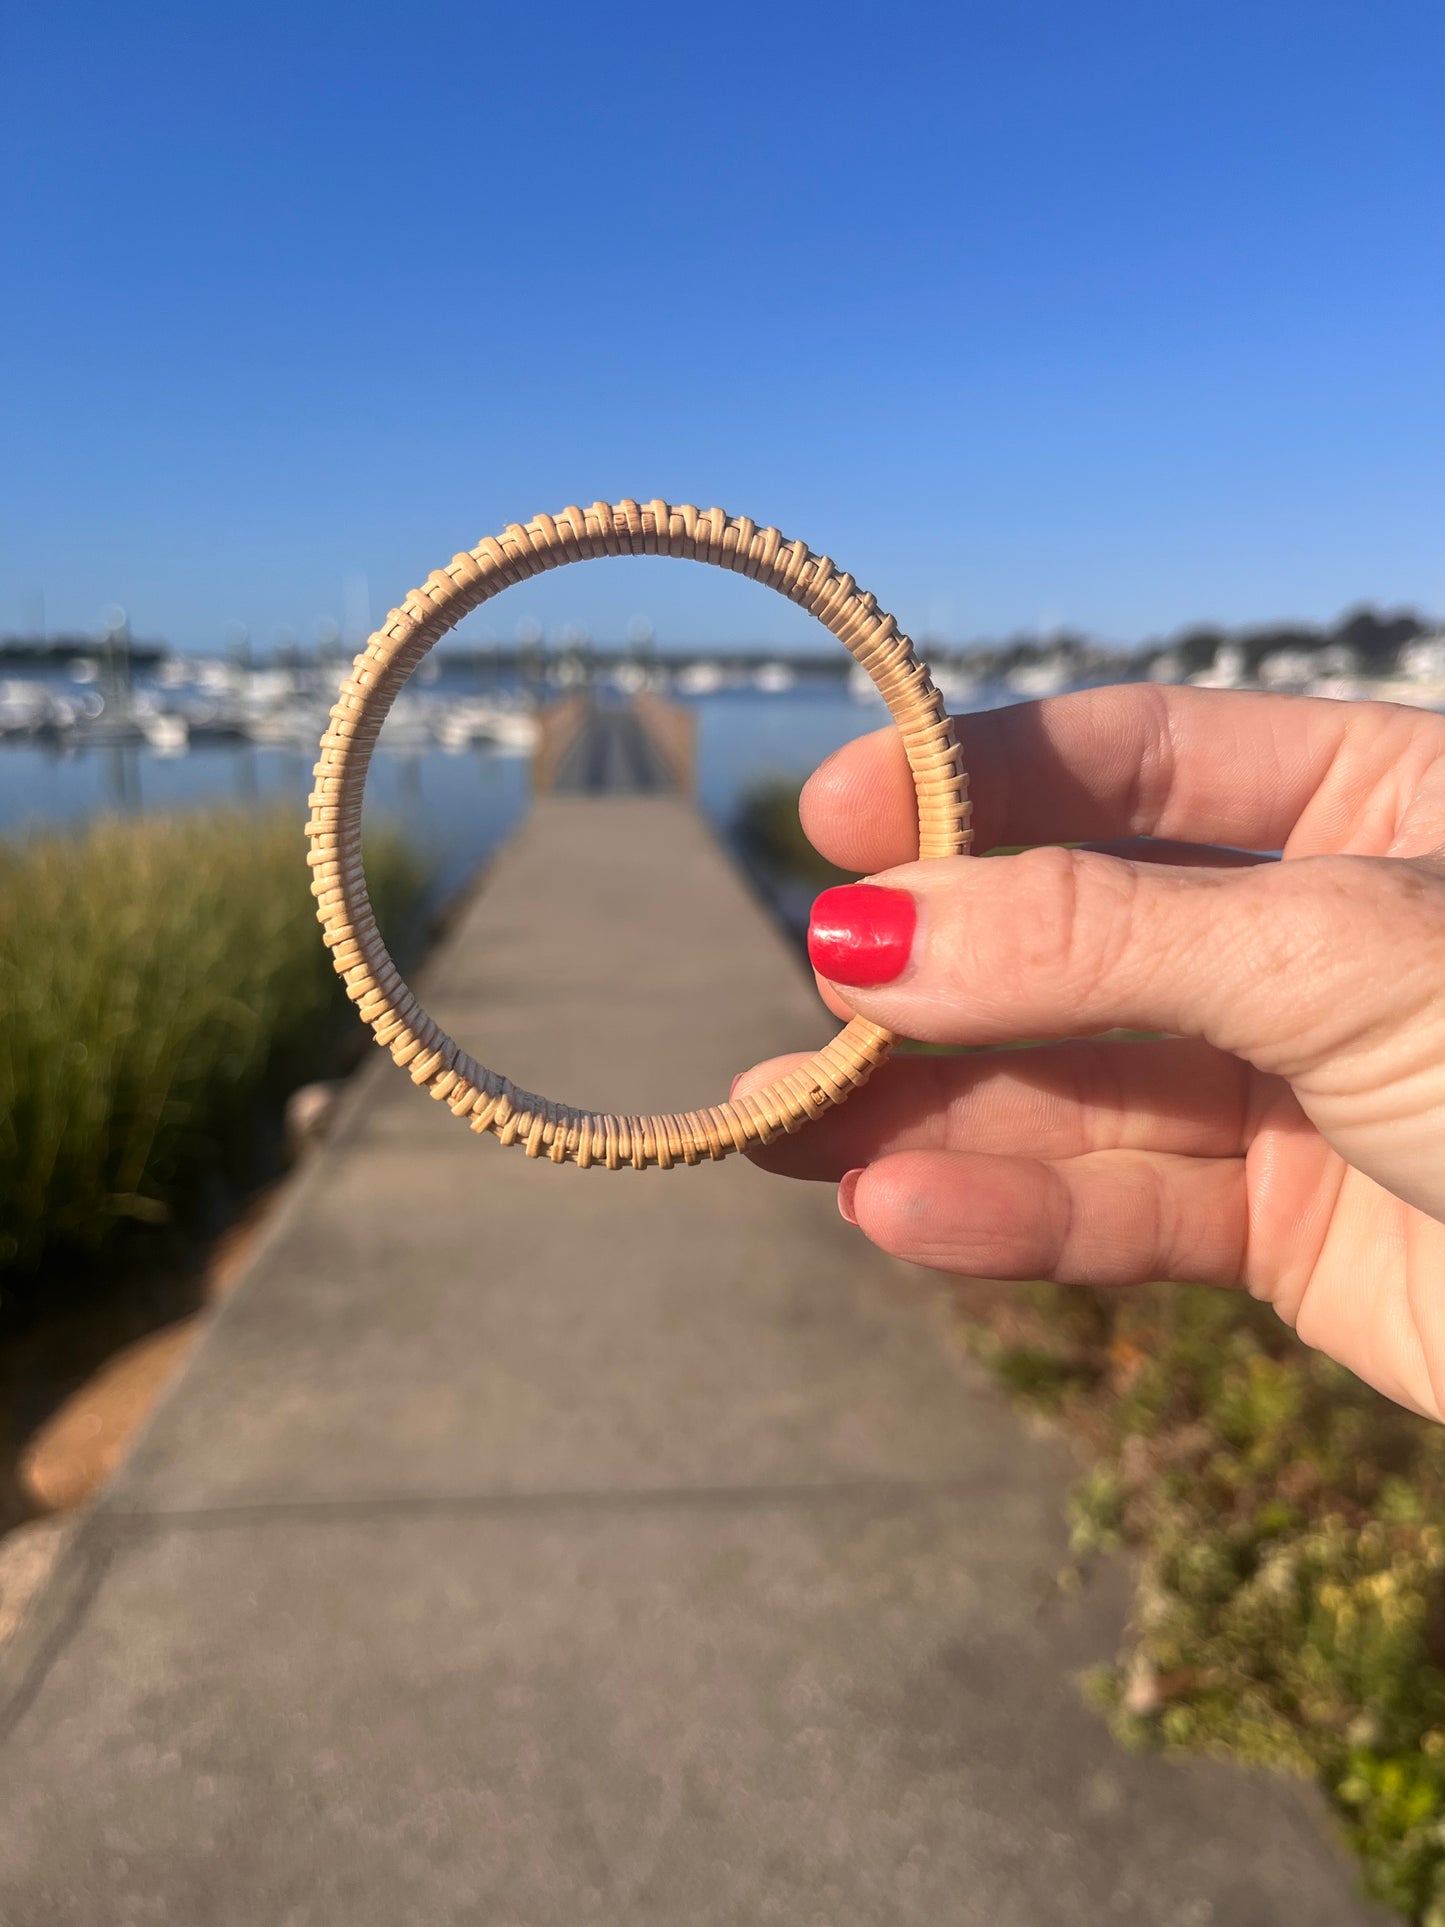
(1097, 346)
(1099, 343)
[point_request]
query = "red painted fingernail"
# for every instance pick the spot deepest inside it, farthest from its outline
(861, 934)
(848, 1184)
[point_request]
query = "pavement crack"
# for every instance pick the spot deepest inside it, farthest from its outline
(49, 1625)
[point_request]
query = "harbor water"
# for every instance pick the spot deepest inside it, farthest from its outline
(455, 803)
(451, 767)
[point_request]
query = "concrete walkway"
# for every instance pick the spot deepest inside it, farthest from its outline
(533, 1547)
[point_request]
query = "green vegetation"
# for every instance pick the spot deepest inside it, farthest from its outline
(1290, 1529)
(163, 985)
(772, 841)
(1288, 1526)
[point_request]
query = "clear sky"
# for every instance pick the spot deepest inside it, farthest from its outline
(1115, 315)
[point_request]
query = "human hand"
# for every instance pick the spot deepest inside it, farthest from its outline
(1288, 1136)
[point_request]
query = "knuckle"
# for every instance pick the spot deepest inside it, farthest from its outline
(1072, 916)
(1328, 894)
(1343, 945)
(1156, 767)
(1291, 923)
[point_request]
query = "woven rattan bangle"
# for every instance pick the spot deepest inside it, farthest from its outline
(483, 1098)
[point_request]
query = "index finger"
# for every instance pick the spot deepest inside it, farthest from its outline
(1139, 759)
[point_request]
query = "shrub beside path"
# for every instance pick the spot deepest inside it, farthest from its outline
(542, 1546)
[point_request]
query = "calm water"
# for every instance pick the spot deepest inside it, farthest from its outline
(456, 807)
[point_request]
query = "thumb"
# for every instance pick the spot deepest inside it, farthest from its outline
(1289, 965)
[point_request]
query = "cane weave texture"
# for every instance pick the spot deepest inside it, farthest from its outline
(484, 1099)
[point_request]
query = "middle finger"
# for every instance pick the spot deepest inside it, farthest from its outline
(1054, 1101)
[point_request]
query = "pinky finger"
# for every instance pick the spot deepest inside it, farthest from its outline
(1106, 1218)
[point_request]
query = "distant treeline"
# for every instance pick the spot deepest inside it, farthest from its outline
(1374, 639)
(54, 652)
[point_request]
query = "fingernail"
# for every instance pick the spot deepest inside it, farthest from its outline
(847, 1185)
(861, 934)
(733, 1087)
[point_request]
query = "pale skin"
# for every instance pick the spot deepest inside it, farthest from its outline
(1288, 1136)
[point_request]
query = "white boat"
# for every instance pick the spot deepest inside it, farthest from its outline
(410, 725)
(1423, 660)
(33, 708)
(700, 679)
(454, 735)
(24, 708)
(1226, 672)
(773, 679)
(514, 731)
(1416, 695)
(1381, 689)
(630, 678)
(299, 725)
(861, 686)
(1043, 678)
(1292, 669)
(167, 733)
(459, 725)
(215, 676)
(956, 685)
(1342, 689)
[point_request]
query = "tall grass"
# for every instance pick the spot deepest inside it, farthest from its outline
(162, 986)
(772, 841)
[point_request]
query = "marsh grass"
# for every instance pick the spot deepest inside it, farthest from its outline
(771, 838)
(1289, 1528)
(163, 986)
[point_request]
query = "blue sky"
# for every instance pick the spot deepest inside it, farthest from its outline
(1113, 315)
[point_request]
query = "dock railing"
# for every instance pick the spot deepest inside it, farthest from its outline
(558, 726)
(672, 730)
